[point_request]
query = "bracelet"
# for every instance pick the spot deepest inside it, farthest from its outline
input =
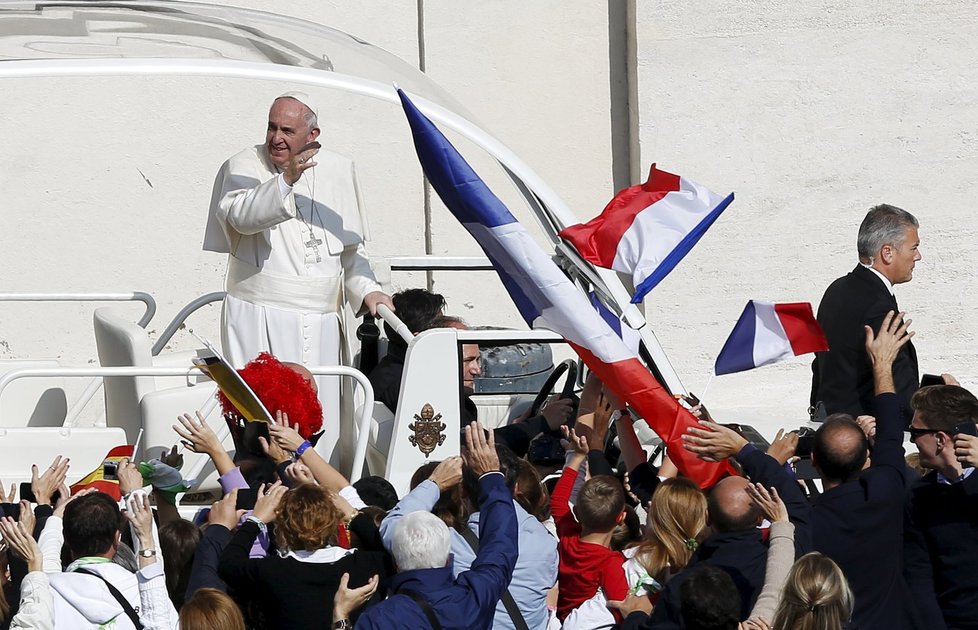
(343, 624)
(618, 414)
(302, 448)
(257, 521)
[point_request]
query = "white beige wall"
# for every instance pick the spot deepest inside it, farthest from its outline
(810, 113)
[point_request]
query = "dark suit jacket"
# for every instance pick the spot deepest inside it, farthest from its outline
(842, 378)
(859, 525)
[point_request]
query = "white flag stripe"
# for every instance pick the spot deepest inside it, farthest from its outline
(565, 310)
(658, 228)
(770, 340)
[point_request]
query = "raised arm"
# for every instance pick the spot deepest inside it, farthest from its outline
(492, 569)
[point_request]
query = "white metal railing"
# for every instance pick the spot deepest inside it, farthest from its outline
(395, 322)
(362, 423)
(135, 296)
(96, 383)
(182, 316)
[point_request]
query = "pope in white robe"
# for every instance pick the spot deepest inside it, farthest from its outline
(289, 216)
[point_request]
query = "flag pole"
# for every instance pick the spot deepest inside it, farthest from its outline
(135, 446)
(706, 387)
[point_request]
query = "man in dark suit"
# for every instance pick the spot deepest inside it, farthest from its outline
(858, 519)
(842, 378)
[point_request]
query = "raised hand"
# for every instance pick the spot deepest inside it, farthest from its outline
(140, 516)
(273, 451)
(8, 498)
(349, 599)
(173, 458)
(66, 498)
(769, 502)
(784, 446)
(224, 511)
(966, 449)
(480, 452)
(574, 441)
(448, 473)
(129, 477)
(300, 163)
(266, 507)
(20, 540)
(197, 435)
(284, 435)
(299, 473)
(45, 485)
(713, 442)
(893, 335)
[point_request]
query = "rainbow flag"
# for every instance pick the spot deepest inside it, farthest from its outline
(96, 479)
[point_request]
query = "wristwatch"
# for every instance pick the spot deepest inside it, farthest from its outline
(147, 553)
(343, 624)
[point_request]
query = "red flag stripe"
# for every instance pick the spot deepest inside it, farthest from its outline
(633, 382)
(597, 240)
(803, 330)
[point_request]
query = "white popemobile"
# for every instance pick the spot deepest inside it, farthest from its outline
(146, 388)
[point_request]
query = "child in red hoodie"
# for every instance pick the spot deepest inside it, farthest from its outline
(586, 561)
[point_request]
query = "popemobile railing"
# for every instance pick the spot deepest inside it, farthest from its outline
(362, 423)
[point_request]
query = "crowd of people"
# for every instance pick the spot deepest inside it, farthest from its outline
(479, 542)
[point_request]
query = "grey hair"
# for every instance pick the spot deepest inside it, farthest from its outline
(310, 118)
(884, 225)
(421, 541)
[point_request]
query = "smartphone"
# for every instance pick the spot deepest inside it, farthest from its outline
(12, 510)
(806, 440)
(27, 493)
(246, 499)
(931, 379)
(968, 428)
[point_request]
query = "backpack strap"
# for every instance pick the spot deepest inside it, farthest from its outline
(507, 598)
(425, 606)
(126, 606)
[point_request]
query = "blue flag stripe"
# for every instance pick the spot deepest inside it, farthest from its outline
(679, 252)
(737, 354)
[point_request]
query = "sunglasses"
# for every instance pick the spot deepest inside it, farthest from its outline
(916, 433)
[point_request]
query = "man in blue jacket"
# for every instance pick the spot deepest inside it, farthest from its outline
(426, 595)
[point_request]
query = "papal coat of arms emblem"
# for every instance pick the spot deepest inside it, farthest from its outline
(428, 430)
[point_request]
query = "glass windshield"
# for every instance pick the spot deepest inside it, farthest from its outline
(83, 29)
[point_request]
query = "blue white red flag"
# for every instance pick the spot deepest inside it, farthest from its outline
(647, 229)
(546, 298)
(768, 333)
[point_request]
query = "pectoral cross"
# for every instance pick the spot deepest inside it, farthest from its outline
(313, 243)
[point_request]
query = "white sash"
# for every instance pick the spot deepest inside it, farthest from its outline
(318, 294)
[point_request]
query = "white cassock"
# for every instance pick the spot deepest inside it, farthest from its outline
(294, 255)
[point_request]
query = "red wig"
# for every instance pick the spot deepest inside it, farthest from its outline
(280, 388)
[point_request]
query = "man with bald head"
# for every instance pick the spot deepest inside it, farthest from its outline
(736, 545)
(288, 214)
(858, 518)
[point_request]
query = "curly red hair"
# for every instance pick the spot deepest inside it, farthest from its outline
(281, 388)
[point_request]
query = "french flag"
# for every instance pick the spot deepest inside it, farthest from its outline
(546, 298)
(768, 333)
(647, 229)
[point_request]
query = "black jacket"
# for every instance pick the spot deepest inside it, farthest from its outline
(842, 378)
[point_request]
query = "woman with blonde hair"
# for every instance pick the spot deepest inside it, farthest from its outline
(676, 517)
(816, 596)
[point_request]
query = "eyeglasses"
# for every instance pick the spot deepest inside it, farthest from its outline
(916, 433)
